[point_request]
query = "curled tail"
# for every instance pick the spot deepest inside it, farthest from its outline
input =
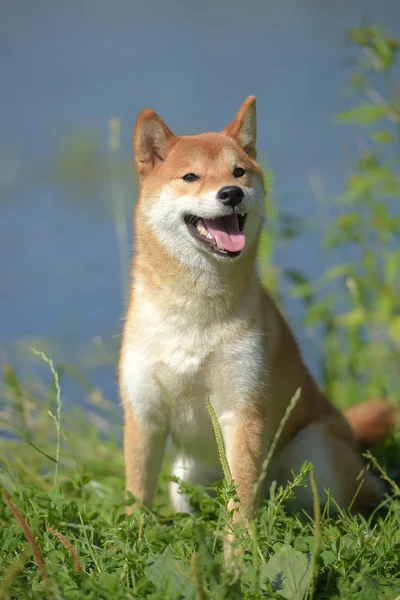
(371, 420)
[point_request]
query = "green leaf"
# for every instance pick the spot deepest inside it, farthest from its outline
(353, 318)
(328, 557)
(301, 288)
(39, 450)
(304, 543)
(395, 330)
(169, 576)
(320, 311)
(288, 572)
(339, 271)
(57, 496)
(371, 588)
(363, 114)
(383, 137)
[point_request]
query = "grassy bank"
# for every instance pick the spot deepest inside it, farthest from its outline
(64, 533)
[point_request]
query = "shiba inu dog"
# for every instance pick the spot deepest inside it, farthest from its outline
(200, 325)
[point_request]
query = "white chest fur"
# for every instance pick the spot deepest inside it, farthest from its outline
(173, 362)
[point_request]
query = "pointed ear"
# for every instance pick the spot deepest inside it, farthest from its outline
(243, 128)
(152, 141)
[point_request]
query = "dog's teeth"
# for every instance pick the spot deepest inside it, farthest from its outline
(209, 236)
(201, 229)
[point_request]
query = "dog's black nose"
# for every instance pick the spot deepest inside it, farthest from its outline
(231, 195)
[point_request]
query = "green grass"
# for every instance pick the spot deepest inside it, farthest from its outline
(63, 471)
(63, 529)
(64, 532)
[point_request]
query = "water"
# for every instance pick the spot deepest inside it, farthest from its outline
(67, 67)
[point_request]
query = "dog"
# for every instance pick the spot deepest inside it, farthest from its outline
(201, 326)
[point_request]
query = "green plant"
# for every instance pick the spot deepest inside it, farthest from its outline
(355, 305)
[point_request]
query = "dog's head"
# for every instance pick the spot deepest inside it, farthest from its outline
(202, 195)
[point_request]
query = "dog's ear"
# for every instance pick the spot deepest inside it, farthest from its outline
(152, 140)
(243, 128)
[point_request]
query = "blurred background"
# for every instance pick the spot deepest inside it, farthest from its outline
(74, 75)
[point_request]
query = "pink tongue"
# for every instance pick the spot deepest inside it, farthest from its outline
(226, 231)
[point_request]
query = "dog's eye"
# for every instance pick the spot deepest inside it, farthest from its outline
(190, 177)
(239, 172)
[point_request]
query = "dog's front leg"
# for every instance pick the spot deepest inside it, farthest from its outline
(245, 445)
(144, 446)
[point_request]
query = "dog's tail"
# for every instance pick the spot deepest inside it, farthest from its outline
(371, 420)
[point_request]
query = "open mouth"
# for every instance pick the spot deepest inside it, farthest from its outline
(223, 235)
